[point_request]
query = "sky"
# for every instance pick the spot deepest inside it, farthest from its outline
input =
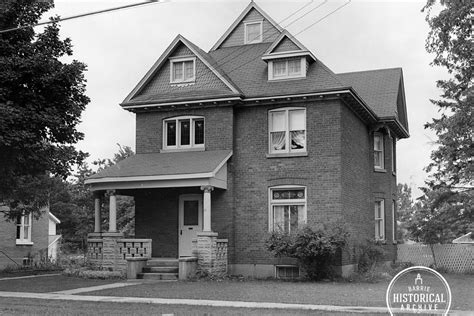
(119, 48)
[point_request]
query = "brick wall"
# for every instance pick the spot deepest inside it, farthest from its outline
(217, 133)
(320, 171)
(39, 237)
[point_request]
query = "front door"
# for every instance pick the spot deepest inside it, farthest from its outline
(190, 222)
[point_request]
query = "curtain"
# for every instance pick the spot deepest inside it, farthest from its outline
(279, 218)
(278, 140)
(297, 139)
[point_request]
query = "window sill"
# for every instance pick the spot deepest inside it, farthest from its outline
(380, 170)
(175, 150)
(182, 83)
(24, 243)
(287, 155)
(286, 78)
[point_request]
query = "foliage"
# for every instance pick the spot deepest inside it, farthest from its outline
(87, 273)
(41, 100)
(406, 210)
(314, 249)
(370, 254)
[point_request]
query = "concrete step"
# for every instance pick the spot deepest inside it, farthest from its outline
(163, 269)
(163, 262)
(158, 276)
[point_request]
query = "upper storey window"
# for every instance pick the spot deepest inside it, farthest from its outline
(253, 32)
(287, 130)
(183, 70)
(288, 68)
(378, 151)
(184, 132)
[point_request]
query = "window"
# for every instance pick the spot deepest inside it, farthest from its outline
(23, 229)
(287, 272)
(253, 32)
(184, 132)
(379, 220)
(287, 130)
(394, 221)
(394, 156)
(183, 70)
(287, 208)
(286, 68)
(378, 151)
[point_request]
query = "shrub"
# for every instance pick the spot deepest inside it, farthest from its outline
(314, 249)
(88, 273)
(370, 254)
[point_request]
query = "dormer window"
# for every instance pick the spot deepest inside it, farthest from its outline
(287, 68)
(253, 32)
(184, 132)
(183, 70)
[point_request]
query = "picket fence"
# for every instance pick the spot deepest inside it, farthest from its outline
(457, 258)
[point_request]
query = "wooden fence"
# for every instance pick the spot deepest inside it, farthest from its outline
(457, 258)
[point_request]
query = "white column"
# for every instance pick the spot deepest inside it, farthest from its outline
(98, 219)
(112, 212)
(207, 207)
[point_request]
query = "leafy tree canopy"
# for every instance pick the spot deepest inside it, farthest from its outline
(41, 100)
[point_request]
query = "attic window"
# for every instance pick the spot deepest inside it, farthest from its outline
(253, 32)
(288, 68)
(183, 70)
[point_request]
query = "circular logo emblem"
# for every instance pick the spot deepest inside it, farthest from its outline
(418, 290)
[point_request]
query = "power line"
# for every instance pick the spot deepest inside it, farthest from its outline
(82, 15)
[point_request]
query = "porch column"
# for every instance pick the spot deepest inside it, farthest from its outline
(112, 212)
(207, 207)
(98, 219)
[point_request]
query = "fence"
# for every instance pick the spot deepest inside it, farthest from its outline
(457, 258)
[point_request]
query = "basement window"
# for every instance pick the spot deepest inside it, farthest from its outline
(287, 272)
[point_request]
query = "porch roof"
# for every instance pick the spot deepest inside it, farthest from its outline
(164, 170)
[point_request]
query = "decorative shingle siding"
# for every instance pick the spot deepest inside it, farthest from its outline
(217, 132)
(254, 174)
(206, 81)
(286, 45)
(39, 237)
(236, 37)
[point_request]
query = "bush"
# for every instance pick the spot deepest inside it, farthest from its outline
(314, 249)
(370, 254)
(88, 273)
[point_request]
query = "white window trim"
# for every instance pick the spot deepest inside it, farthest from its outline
(272, 202)
(382, 150)
(178, 146)
(257, 40)
(394, 156)
(22, 240)
(394, 222)
(288, 149)
(302, 73)
(174, 60)
(381, 219)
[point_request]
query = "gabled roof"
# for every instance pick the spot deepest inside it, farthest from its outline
(252, 5)
(382, 90)
(203, 56)
(464, 239)
(54, 218)
(269, 53)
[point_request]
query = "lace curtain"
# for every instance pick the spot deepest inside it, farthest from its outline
(278, 140)
(297, 139)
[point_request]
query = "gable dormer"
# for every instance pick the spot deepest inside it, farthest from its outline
(253, 26)
(287, 58)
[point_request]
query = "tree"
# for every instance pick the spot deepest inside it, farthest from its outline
(41, 100)
(450, 39)
(406, 210)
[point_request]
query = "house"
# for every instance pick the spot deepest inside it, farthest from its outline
(255, 135)
(28, 239)
(464, 239)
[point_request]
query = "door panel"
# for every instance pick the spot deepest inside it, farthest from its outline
(190, 222)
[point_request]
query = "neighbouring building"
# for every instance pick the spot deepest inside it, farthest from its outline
(254, 135)
(27, 239)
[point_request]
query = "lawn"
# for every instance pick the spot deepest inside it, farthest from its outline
(45, 284)
(324, 293)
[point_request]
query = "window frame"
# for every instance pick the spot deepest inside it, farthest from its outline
(394, 155)
(299, 202)
(381, 219)
(22, 240)
(301, 74)
(287, 150)
(176, 60)
(257, 40)
(380, 151)
(192, 136)
(394, 222)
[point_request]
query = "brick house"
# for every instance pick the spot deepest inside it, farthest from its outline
(255, 135)
(28, 239)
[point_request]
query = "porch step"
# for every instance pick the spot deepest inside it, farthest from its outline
(160, 269)
(158, 276)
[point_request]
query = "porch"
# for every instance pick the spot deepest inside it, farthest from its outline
(174, 212)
